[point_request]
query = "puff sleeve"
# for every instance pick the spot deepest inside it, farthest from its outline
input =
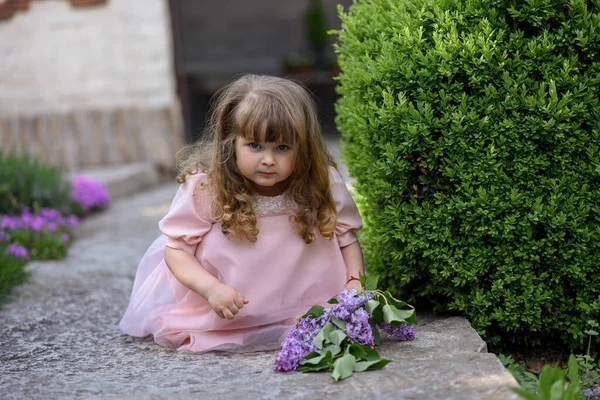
(348, 218)
(188, 219)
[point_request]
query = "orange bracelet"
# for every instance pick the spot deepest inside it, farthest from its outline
(352, 278)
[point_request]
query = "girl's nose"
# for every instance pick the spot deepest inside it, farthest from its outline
(268, 159)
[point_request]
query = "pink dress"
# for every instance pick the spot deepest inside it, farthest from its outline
(279, 274)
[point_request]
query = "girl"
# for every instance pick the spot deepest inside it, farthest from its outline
(261, 228)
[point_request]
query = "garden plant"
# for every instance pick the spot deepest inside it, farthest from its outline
(39, 210)
(472, 128)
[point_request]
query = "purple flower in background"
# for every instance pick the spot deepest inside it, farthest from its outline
(89, 193)
(50, 214)
(8, 222)
(72, 221)
(400, 332)
(4, 236)
(26, 217)
(66, 237)
(37, 224)
(299, 342)
(17, 251)
(47, 218)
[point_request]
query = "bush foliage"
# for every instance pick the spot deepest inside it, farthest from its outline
(27, 183)
(473, 129)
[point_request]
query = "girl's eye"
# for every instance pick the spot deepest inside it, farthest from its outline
(283, 147)
(254, 145)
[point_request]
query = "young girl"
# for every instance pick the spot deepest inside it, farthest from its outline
(261, 228)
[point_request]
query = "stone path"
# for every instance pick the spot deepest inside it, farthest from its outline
(59, 337)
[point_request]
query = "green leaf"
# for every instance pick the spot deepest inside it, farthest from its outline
(314, 311)
(322, 335)
(343, 367)
(372, 354)
(548, 377)
(356, 349)
(392, 300)
(409, 315)
(322, 362)
(376, 336)
(339, 323)
(526, 394)
(313, 360)
(315, 368)
(362, 279)
(333, 300)
(557, 390)
(573, 370)
(377, 314)
(311, 355)
(334, 349)
(337, 337)
(363, 353)
(371, 282)
(371, 306)
(361, 366)
(394, 316)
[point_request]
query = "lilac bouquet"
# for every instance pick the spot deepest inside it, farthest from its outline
(342, 339)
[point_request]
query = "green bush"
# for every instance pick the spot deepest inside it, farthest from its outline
(25, 182)
(12, 273)
(473, 129)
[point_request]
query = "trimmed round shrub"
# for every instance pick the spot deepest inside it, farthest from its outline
(472, 128)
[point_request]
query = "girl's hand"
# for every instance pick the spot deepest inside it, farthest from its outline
(354, 284)
(225, 300)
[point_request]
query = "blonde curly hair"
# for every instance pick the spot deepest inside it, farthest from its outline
(272, 109)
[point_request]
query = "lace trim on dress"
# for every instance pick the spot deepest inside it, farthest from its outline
(266, 205)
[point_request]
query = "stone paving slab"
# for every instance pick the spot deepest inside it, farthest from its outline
(59, 337)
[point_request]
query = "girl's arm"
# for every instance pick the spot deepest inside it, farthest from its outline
(353, 259)
(225, 300)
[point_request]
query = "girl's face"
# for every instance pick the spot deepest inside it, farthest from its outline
(266, 164)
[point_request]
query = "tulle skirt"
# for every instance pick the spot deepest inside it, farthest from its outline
(179, 318)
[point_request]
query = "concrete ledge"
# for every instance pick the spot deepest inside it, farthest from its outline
(125, 179)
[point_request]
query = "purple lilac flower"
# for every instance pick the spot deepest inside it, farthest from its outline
(349, 300)
(66, 237)
(358, 328)
(400, 332)
(299, 342)
(89, 193)
(17, 251)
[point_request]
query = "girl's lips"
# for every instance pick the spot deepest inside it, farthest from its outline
(267, 173)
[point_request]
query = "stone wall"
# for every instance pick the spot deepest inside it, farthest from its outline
(89, 86)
